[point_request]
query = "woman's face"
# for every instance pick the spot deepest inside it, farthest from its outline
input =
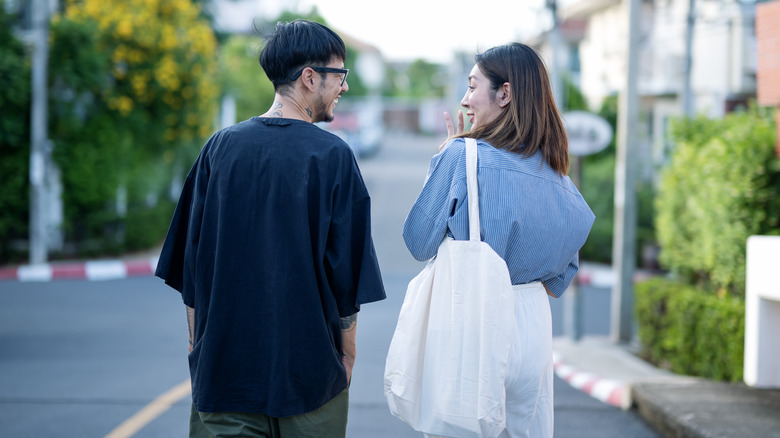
(482, 104)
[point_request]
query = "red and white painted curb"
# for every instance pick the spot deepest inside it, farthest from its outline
(596, 277)
(603, 276)
(93, 271)
(609, 391)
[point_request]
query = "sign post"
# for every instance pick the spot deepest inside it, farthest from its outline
(587, 134)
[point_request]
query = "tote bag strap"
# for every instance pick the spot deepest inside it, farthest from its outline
(472, 188)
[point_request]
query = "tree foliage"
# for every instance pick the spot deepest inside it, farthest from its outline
(133, 95)
(722, 186)
(242, 77)
(14, 136)
(420, 79)
(598, 189)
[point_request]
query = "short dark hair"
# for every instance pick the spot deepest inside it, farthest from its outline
(532, 121)
(298, 44)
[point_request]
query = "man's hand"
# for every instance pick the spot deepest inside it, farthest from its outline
(348, 345)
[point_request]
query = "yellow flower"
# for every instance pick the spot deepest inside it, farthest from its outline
(125, 105)
(140, 86)
(163, 56)
(124, 28)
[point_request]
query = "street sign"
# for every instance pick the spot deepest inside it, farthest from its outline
(587, 132)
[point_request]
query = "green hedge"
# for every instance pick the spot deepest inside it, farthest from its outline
(690, 331)
(721, 187)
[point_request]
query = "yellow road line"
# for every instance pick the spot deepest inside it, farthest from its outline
(151, 411)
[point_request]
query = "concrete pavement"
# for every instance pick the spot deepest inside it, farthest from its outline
(676, 406)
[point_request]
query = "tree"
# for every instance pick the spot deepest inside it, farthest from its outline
(133, 97)
(14, 136)
(419, 79)
(242, 77)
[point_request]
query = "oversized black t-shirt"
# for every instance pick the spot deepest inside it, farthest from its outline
(271, 244)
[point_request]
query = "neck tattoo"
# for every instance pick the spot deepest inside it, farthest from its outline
(276, 110)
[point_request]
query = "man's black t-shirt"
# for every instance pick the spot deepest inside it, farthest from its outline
(271, 244)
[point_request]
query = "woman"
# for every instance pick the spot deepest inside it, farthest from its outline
(531, 213)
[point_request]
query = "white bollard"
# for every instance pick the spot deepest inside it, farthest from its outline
(762, 312)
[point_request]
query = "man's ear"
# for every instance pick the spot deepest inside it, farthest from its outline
(307, 78)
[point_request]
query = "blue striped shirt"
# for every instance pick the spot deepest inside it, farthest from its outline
(535, 219)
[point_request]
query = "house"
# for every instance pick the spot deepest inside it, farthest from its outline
(768, 36)
(722, 59)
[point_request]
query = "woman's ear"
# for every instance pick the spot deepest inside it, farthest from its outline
(504, 95)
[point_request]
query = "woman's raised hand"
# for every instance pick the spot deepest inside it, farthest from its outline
(450, 128)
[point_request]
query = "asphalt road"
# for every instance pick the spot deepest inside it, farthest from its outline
(81, 358)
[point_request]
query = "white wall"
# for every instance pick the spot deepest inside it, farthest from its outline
(724, 53)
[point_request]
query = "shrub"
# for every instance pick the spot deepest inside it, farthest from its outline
(690, 331)
(133, 97)
(720, 187)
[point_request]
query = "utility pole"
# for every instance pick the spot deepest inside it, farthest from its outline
(687, 91)
(556, 78)
(572, 300)
(39, 149)
(624, 239)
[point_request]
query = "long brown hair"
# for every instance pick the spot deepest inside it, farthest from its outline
(531, 121)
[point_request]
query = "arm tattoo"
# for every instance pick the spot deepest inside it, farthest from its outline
(190, 327)
(348, 323)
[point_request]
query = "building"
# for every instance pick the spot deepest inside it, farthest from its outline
(719, 63)
(768, 36)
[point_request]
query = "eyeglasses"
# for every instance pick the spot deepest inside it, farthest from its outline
(340, 71)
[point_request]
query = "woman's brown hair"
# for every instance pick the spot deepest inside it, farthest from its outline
(531, 121)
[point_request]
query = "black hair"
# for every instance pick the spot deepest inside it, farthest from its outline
(298, 44)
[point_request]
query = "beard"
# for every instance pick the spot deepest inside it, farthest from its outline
(321, 110)
(321, 113)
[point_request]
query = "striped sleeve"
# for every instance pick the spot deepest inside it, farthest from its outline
(558, 285)
(426, 225)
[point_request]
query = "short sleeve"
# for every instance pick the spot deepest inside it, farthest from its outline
(558, 285)
(183, 231)
(351, 262)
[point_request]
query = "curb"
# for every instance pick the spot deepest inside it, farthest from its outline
(609, 391)
(605, 276)
(93, 270)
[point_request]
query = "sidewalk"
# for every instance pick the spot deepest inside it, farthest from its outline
(676, 406)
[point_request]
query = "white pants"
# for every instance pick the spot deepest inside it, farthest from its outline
(529, 380)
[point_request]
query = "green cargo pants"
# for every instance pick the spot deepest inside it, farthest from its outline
(328, 421)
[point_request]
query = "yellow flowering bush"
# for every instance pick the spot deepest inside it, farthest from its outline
(134, 94)
(161, 51)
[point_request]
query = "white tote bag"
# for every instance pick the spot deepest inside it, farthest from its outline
(447, 362)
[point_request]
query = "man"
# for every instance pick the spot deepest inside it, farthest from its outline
(270, 246)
